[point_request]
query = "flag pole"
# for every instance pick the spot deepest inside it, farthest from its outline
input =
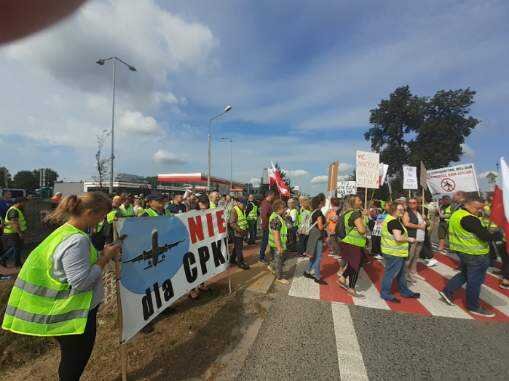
(365, 198)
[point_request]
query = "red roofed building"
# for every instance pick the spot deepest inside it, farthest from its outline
(198, 181)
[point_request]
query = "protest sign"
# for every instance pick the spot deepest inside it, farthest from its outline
(422, 176)
(367, 171)
(409, 177)
(345, 188)
(452, 179)
(383, 173)
(163, 258)
(333, 176)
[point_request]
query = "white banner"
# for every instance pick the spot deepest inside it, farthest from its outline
(163, 258)
(410, 177)
(367, 173)
(346, 188)
(383, 173)
(452, 179)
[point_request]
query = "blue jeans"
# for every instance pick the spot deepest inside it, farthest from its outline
(263, 245)
(473, 271)
(314, 263)
(394, 269)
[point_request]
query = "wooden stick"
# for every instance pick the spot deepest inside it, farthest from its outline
(409, 193)
(123, 354)
(365, 198)
(423, 200)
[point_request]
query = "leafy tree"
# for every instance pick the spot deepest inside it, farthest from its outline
(26, 180)
(5, 177)
(50, 176)
(408, 129)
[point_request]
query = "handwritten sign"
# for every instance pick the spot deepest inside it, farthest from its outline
(367, 169)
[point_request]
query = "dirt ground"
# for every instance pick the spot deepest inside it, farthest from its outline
(192, 343)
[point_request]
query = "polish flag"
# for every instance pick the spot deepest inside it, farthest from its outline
(500, 208)
(276, 179)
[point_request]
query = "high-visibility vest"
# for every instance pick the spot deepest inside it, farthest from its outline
(112, 216)
(389, 245)
(22, 222)
(126, 212)
(283, 232)
(353, 237)
(151, 212)
(485, 219)
(301, 217)
(463, 241)
(40, 305)
(253, 214)
(241, 218)
(212, 205)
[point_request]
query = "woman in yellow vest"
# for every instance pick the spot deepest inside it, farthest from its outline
(239, 226)
(59, 288)
(395, 251)
(353, 244)
(278, 237)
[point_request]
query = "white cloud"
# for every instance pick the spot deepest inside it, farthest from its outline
(134, 122)
(345, 167)
(296, 172)
(255, 180)
(164, 157)
(320, 179)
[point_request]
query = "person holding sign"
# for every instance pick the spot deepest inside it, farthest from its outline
(395, 241)
(416, 228)
(353, 243)
(59, 289)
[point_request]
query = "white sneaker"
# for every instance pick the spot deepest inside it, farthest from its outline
(283, 281)
(432, 262)
(379, 257)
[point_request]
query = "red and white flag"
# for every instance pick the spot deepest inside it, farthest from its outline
(276, 179)
(500, 208)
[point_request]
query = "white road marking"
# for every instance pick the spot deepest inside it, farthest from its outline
(492, 297)
(303, 287)
(367, 288)
(351, 363)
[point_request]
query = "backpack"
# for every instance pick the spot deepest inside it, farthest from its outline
(340, 226)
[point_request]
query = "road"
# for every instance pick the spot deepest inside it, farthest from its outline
(316, 332)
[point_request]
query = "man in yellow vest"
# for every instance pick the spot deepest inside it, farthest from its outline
(252, 218)
(15, 226)
(127, 207)
(155, 204)
(214, 199)
(278, 235)
(469, 239)
(238, 224)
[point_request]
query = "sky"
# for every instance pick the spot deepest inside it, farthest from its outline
(301, 77)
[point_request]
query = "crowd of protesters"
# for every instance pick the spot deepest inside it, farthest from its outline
(399, 233)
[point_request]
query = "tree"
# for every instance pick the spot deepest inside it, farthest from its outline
(408, 129)
(50, 176)
(26, 180)
(5, 177)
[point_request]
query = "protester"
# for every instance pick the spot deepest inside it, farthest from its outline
(252, 213)
(331, 222)
(278, 234)
(214, 198)
(41, 301)
(444, 213)
(291, 219)
(177, 206)
(304, 224)
(126, 208)
(155, 203)
(353, 244)
(395, 250)
(138, 207)
(416, 228)
(376, 234)
(265, 213)
(5, 203)
(314, 247)
(238, 224)
(15, 226)
(470, 241)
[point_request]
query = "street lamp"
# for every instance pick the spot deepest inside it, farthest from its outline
(101, 62)
(231, 160)
(226, 109)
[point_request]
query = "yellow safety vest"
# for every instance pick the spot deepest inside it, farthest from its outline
(283, 232)
(40, 305)
(241, 218)
(389, 245)
(464, 241)
(253, 214)
(353, 237)
(9, 228)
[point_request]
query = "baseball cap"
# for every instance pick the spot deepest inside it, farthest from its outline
(154, 196)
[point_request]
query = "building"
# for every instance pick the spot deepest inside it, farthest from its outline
(198, 182)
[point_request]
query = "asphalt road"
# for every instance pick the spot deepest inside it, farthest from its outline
(306, 339)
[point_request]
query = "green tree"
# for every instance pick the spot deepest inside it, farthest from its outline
(5, 177)
(25, 180)
(50, 176)
(408, 129)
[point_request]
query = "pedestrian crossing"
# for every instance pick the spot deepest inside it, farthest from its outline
(432, 280)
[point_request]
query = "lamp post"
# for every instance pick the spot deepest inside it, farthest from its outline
(101, 62)
(231, 160)
(226, 109)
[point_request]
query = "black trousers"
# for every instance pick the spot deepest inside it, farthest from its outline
(75, 350)
(238, 247)
(16, 242)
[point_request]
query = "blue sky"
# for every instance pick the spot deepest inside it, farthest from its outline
(301, 77)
